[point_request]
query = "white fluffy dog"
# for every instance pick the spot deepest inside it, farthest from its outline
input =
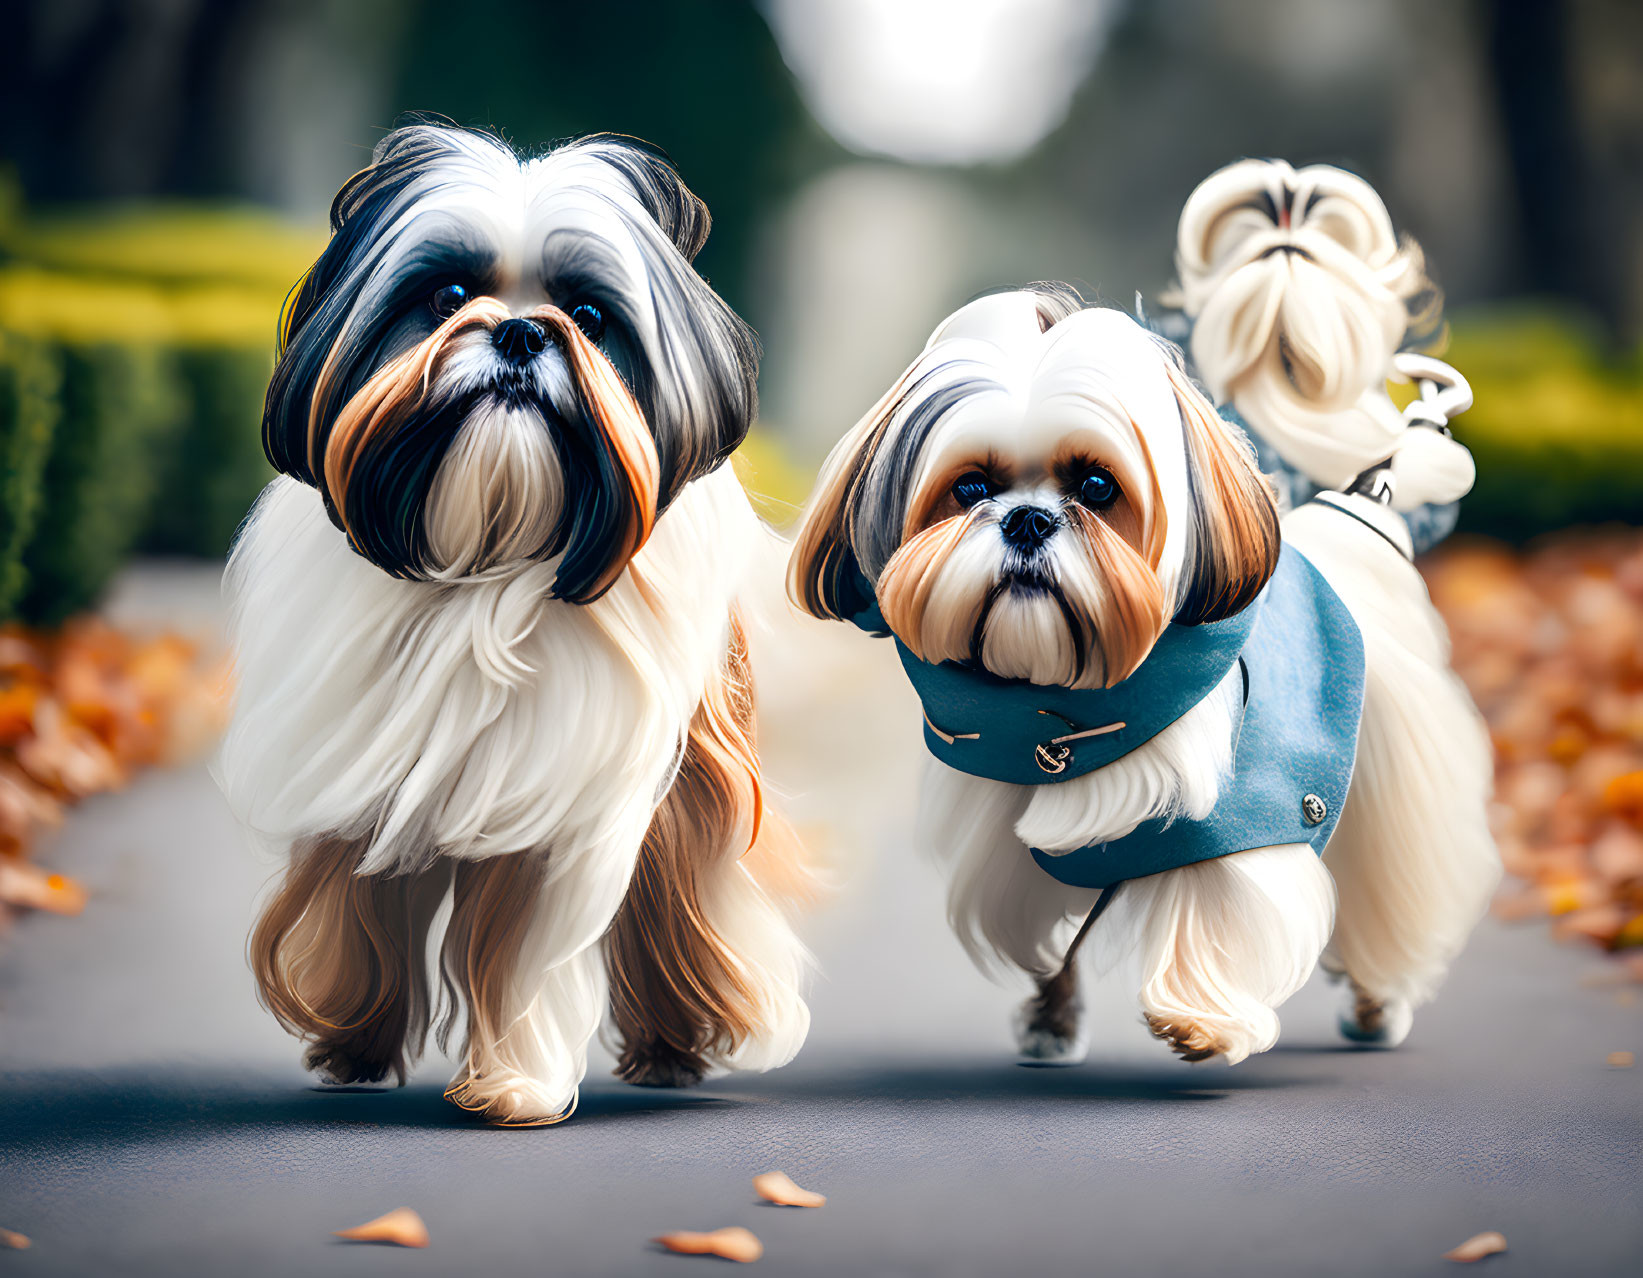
(487, 634)
(1047, 515)
(1302, 299)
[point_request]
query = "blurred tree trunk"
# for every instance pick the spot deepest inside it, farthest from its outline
(1576, 205)
(272, 99)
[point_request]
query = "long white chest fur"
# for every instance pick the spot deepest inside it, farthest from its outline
(470, 718)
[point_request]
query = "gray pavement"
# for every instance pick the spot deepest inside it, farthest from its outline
(154, 1121)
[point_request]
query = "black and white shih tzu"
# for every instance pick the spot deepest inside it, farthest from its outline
(492, 674)
(1089, 582)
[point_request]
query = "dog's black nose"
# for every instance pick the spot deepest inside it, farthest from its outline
(1028, 527)
(519, 340)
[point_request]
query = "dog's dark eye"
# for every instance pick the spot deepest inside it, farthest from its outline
(1098, 489)
(971, 487)
(447, 301)
(590, 319)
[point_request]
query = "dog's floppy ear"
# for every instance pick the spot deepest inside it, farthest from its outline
(1235, 540)
(704, 344)
(317, 309)
(824, 577)
(678, 210)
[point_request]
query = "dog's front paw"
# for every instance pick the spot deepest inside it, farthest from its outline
(659, 1064)
(1050, 1033)
(509, 1099)
(1187, 1039)
(338, 1065)
(1040, 1046)
(1373, 1022)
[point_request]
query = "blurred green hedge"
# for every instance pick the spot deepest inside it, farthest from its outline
(135, 346)
(1557, 427)
(30, 382)
(115, 415)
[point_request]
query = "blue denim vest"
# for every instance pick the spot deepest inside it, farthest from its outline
(1303, 663)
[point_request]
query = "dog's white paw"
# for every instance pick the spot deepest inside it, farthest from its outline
(1372, 1022)
(509, 1099)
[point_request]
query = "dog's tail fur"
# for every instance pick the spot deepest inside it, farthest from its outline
(1412, 857)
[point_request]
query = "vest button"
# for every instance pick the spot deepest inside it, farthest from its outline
(1313, 810)
(1052, 757)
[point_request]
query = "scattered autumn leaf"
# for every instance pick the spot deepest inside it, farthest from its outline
(14, 1241)
(31, 888)
(734, 1243)
(1621, 1060)
(402, 1227)
(778, 1187)
(1477, 1247)
(17, 702)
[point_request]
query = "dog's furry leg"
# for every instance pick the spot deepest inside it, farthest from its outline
(341, 961)
(1412, 857)
(1009, 915)
(1223, 943)
(704, 967)
(530, 1010)
(1050, 1025)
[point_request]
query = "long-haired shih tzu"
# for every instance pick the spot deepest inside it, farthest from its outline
(491, 666)
(1151, 704)
(1303, 303)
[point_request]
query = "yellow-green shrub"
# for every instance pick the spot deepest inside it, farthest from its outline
(162, 320)
(217, 466)
(118, 414)
(171, 244)
(1557, 430)
(117, 407)
(30, 381)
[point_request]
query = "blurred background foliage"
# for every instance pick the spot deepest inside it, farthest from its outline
(138, 340)
(870, 164)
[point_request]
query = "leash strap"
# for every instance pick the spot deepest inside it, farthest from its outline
(1096, 911)
(1321, 500)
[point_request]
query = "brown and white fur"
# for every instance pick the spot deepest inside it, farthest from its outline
(488, 638)
(1017, 400)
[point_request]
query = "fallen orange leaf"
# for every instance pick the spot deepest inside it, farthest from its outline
(734, 1243)
(778, 1187)
(17, 703)
(1564, 897)
(1624, 795)
(1477, 1247)
(15, 1241)
(402, 1227)
(1621, 1060)
(32, 888)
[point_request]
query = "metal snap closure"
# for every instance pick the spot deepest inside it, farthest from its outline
(1052, 757)
(1313, 810)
